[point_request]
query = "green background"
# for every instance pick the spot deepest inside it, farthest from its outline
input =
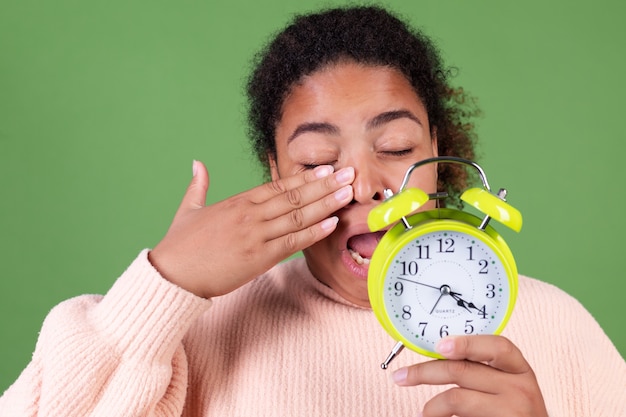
(104, 105)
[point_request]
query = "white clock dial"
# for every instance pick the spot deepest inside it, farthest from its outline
(446, 283)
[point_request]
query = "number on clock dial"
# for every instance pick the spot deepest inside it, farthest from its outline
(446, 283)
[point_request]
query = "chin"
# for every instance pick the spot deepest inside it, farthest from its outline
(345, 276)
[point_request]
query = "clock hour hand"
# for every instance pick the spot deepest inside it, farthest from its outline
(461, 302)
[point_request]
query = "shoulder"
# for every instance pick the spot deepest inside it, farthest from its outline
(568, 350)
(529, 286)
(547, 301)
(545, 312)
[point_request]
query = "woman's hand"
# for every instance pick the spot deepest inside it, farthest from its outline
(213, 250)
(492, 378)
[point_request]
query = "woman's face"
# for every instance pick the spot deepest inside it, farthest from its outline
(366, 117)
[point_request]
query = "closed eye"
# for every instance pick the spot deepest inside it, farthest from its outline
(316, 164)
(402, 152)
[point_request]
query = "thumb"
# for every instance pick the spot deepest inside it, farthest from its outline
(195, 196)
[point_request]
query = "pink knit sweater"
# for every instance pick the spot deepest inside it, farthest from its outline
(284, 345)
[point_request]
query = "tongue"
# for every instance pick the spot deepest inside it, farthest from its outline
(365, 244)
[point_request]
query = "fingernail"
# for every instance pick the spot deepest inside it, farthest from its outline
(399, 376)
(445, 346)
(345, 175)
(194, 168)
(329, 223)
(323, 171)
(343, 193)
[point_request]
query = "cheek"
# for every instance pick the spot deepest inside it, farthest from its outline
(286, 165)
(325, 253)
(320, 260)
(324, 247)
(274, 172)
(425, 178)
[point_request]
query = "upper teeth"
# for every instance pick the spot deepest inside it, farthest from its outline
(358, 258)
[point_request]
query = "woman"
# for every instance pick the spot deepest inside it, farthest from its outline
(207, 323)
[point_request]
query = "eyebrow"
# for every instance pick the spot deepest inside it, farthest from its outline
(331, 129)
(390, 116)
(325, 128)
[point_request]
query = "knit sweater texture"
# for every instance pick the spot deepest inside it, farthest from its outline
(283, 345)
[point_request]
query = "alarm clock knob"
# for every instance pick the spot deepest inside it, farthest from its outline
(395, 207)
(494, 207)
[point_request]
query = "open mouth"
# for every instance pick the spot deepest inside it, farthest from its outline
(358, 258)
(361, 247)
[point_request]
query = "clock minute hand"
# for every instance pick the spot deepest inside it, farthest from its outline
(419, 283)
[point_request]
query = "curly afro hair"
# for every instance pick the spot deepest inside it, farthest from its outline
(370, 36)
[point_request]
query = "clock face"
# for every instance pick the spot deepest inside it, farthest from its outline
(446, 283)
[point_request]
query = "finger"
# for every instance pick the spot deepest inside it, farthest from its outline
(471, 375)
(282, 185)
(462, 402)
(326, 190)
(496, 351)
(195, 196)
(298, 219)
(293, 242)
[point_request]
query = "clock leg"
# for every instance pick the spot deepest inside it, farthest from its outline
(394, 352)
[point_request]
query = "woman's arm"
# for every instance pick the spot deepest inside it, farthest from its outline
(120, 354)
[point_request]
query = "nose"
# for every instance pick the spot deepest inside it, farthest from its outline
(367, 185)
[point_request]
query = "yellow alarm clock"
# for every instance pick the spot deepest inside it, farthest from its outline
(443, 271)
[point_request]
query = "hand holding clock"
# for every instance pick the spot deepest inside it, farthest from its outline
(492, 377)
